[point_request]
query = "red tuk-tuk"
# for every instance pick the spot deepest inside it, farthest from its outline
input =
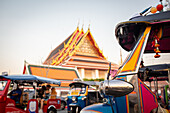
(25, 105)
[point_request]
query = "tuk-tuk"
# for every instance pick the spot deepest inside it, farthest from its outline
(80, 96)
(25, 104)
(127, 92)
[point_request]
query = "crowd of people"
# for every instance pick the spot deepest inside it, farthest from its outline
(43, 94)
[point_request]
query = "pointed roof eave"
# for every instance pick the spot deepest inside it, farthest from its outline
(95, 44)
(74, 43)
(81, 32)
(50, 56)
(56, 62)
(75, 48)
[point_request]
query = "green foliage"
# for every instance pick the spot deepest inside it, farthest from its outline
(97, 79)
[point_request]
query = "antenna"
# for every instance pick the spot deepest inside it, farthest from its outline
(108, 74)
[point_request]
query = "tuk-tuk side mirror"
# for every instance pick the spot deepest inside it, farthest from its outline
(115, 88)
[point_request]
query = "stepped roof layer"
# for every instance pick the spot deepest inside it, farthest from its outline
(54, 72)
(79, 50)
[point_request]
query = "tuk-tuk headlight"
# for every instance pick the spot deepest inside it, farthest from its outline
(73, 98)
(115, 88)
(105, 101)
(83, 98)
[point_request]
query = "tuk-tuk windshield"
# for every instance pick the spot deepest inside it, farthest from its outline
(2, 85)
(77, 90)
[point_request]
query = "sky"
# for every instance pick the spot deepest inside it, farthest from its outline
(31, 29)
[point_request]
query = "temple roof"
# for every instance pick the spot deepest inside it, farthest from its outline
(79, 50)
(54, 72)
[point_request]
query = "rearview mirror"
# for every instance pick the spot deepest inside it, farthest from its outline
(115, 88)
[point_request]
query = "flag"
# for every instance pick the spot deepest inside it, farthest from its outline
(24, 70)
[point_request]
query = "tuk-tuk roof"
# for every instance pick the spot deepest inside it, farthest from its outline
(157, 67)
(31, 79)
(78, 84)
(128, 33)
(160, 71)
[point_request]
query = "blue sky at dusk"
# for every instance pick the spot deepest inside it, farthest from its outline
(31, 29)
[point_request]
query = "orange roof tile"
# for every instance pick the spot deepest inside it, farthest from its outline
(59, 73)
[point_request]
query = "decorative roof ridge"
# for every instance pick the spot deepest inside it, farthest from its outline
(74, 45)
(57, 60)
(100, 51)
(52, 66)
(57, 48)
(70, 47)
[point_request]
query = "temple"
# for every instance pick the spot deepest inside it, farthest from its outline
(81, 51)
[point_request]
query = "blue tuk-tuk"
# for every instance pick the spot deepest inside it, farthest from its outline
(80, 96)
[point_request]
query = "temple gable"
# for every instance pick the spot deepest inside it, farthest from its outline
(87, 48)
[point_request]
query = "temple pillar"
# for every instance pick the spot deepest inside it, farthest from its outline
(82, 73)
(97, 73)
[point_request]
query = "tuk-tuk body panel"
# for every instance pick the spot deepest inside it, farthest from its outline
(3, 93)
(98, 108)
(14, 110)
(78, 103)
(52, 103)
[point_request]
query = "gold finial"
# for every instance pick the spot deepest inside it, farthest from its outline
(78, 23)
(82, 26)
(25, 61)
(89, 25)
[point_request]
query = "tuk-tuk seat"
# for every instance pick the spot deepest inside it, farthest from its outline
(25, 98)
(19, 103)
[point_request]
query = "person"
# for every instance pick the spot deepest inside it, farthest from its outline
(41, 93)
(46, 95)
(16, 94)
(53, 93)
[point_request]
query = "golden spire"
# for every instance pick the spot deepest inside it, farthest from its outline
(89, 25)
(78, 23)
(82, 26)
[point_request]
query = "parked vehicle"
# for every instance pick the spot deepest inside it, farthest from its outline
(25, 105)
(80, 96)
(63, 102)
(127, 92)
